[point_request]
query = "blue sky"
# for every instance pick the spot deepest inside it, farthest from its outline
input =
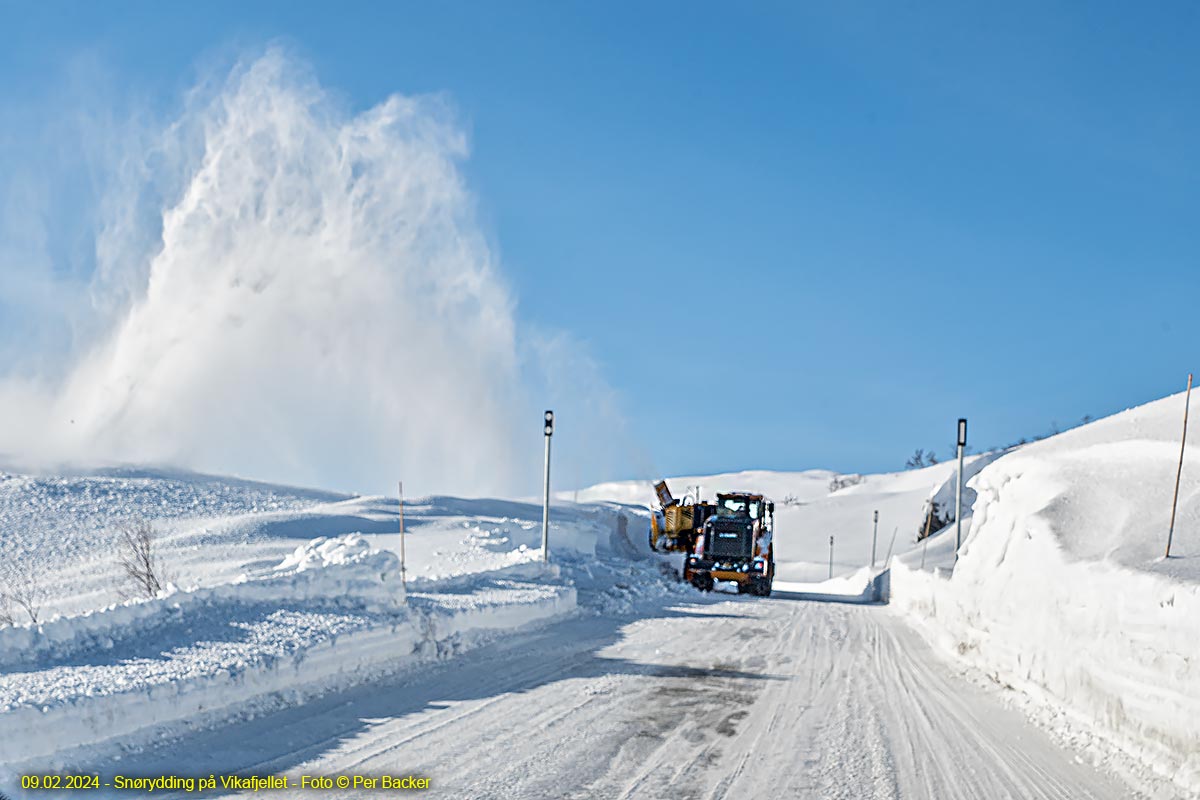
(877, 218)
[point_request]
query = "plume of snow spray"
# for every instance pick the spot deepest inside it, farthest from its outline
(321, 307)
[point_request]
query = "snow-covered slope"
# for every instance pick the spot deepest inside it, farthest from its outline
(802, 486)
(59, 532)
(286, 593)
(1105, 489)
(1062, 590)
(847, 515)
(813, 505)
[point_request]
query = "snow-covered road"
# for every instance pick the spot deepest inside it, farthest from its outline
(722, 697)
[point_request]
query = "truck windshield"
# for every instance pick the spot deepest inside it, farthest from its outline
(731, 507)
(737, 507)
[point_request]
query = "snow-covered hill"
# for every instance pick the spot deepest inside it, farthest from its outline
(280, 594)
(813, 505)
(60, 531)
(802, 486)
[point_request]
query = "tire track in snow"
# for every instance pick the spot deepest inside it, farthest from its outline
(718, 699)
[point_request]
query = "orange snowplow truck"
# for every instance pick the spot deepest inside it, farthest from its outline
(735, 544)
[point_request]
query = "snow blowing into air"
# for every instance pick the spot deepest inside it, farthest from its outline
(319, 305)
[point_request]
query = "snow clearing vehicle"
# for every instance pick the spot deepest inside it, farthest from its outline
(735, 544)
(674, 527)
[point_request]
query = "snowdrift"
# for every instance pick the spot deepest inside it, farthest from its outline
(272, 615)
(329, 616)
(62, 529)
(1061, 590)
(339, 573)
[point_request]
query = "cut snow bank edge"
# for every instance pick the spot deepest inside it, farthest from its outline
(428, 627)
(338, 572)
(1100, 650)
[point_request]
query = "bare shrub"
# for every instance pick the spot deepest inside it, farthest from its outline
(6, 610)
(840, 482)
(142, 570)
(23, 594)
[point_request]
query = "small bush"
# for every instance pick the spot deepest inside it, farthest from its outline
(921, 458)
(142, 570)
(22, 594)
(842, 481)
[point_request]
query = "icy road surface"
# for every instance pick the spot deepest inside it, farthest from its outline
(723, 697)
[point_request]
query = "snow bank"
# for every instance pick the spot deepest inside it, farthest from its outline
(62, 531)
(865, 585)
(1060, 591)
(350, 576)
(326, 619)
(851, 585)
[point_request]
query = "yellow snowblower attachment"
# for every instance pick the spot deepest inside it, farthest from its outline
(674, 525)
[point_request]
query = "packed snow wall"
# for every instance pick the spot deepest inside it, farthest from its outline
(1061, 590)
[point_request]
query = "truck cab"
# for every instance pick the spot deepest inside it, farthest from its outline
(735, 544)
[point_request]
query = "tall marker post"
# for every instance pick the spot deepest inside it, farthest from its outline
(831, 558)
(962, 443)
(887, 562)
(549, 431)
(1179, 471)
(928, 522)
(874, 537)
